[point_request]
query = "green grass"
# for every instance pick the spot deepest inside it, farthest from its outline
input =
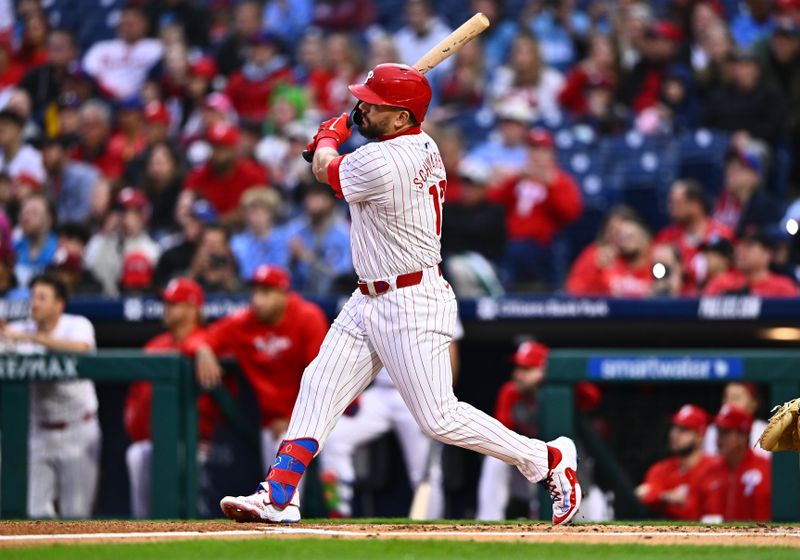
(318, 549)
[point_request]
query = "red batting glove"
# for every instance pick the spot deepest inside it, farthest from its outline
(337, 129)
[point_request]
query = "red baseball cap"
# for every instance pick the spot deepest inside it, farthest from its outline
(531, 354)
(156, 112)
(183, 290)
(137, 271)
(204, 67)
(691, 417)
(223, 134)
(732, 417)
(540, 138)
(270, 276)
(133, 199)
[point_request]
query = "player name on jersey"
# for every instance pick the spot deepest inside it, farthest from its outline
(38, 368)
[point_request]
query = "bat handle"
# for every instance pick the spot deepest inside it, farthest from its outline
(308, 155)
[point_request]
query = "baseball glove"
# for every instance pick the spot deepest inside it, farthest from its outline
(783, 431)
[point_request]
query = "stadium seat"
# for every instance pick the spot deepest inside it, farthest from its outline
(702, 157)
(642, 168)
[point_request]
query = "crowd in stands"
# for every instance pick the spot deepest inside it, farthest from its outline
(617, 148)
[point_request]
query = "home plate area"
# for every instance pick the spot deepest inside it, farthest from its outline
(38, 533)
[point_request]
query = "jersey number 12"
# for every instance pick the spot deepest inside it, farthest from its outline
(437, 193)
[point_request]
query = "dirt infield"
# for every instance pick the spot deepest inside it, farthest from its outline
(28, 533)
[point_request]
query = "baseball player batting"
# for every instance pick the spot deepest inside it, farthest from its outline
(403, 313)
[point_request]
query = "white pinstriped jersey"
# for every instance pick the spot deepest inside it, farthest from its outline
(396, 190)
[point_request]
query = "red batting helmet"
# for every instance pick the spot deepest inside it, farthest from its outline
(396, 85)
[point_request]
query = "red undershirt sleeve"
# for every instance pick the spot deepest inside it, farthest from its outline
(333, 176)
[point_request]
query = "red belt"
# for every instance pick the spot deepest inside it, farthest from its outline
(402, 281)
(63, 425)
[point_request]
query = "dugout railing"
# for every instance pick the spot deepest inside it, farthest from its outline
(174, 421)
(777, 369)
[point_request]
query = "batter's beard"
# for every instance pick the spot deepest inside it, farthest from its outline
(369, 131)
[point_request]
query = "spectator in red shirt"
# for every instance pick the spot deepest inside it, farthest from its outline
(541, 202)
(630, 274)
(32, 51)
(266, 66)
(94, 148)
(518, 409)
(226, 176)
(688, 485)
(749, 477)
(273, 341)
(752, 275)
(691, 226)
(344, 64)
(599, 67)
(11, 71)
(130, 139)
(586, 277)
(183, 303)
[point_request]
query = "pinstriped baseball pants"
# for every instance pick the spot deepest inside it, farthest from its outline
(409, 331)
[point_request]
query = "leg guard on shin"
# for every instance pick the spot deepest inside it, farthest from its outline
(291, 463)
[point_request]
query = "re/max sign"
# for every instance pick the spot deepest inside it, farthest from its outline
(21, 368)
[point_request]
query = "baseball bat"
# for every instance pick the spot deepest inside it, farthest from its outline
(453, 43)
(443, 50)
(422, 494)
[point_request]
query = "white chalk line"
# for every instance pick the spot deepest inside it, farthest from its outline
(456, 532)
(373, 532)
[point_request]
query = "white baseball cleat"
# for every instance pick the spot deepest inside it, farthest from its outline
(562, 483)
(257, 508)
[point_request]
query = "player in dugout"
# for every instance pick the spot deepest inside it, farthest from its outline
(748, 496)
(273, 340)
(687, 485)
(183, 317)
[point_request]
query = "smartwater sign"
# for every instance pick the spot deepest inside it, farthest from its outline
(635, 368)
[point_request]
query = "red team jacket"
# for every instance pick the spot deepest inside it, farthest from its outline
(224, 191)
(140, 394)
(272, 357)
(537, 211)
(749, 492)
(706, 488)
(619, 279)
